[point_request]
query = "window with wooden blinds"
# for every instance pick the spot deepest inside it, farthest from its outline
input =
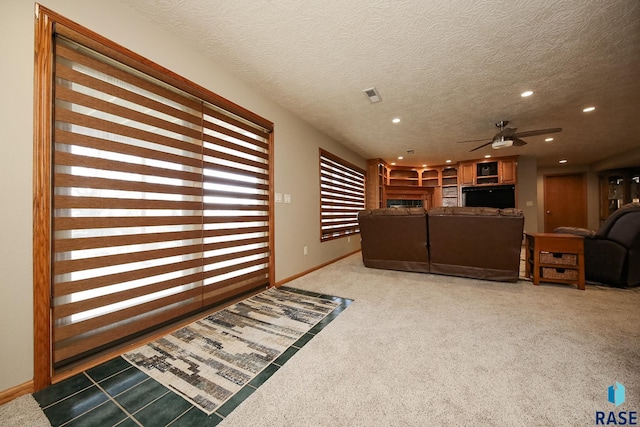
(342, 192)
(160, 202)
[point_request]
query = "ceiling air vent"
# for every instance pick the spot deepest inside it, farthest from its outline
(373, 94)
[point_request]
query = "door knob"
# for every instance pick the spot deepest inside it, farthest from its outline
(548, 212)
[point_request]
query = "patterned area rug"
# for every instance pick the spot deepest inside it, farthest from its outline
(210, 360)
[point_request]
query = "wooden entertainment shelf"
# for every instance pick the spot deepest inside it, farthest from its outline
(433, 186)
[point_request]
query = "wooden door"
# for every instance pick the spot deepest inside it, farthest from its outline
(565, 201)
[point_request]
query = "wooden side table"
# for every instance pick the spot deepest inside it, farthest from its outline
(556, 258)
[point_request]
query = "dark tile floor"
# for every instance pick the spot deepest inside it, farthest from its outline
(117, 394)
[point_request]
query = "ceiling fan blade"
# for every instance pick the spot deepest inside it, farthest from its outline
(518, 142)
(506, 132)
(472, 140)
(536, 132)
(483, 145)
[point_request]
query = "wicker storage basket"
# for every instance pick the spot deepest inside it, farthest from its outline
(559, 273)
(558, 258)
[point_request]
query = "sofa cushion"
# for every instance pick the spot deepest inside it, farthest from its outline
(392, 212)
(475, 211)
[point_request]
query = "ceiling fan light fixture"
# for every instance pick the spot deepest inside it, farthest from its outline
(501, 143)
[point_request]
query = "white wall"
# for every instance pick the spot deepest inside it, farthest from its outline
(527, 192)
(296, 158)
(16, 110)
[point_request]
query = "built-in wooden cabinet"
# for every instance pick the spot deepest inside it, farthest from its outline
(618, 187)
(508, 170)
(449, 186)
(376, 179)
(410, 186)
(389, 185)
(404, 176)
(489, 171)
(467, 173)
(430, 178)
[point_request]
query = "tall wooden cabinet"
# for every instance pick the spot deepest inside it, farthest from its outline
(449, 186)
(375, 182)
(618, 187)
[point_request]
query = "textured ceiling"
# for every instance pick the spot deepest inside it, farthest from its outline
(448, 69)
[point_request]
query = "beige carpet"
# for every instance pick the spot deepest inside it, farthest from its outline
(417, 349)
(22, 412)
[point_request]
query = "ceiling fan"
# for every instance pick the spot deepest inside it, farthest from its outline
(508, 136)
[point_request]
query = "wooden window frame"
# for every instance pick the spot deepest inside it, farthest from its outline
(47, 23)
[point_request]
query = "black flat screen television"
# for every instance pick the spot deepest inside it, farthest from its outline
(493, 196)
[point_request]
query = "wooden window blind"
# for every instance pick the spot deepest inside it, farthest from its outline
(342, 190)
(160, 202)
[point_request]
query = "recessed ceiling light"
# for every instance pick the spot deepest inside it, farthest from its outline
(487, 156)
(588, 109)
(526, 93)
(548, 139)
(396, 120)
(424, 166)
(393, 163)
(448, 161)
(400, 157)
(563, 161)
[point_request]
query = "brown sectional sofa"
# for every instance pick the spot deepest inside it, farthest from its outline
(481, 243)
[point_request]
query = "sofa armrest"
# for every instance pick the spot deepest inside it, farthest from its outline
(576, 231)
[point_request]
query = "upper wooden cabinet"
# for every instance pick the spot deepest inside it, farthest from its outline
(404, 176)
(430, 177)
(508, 170)
(467, 173)
(494, 171)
